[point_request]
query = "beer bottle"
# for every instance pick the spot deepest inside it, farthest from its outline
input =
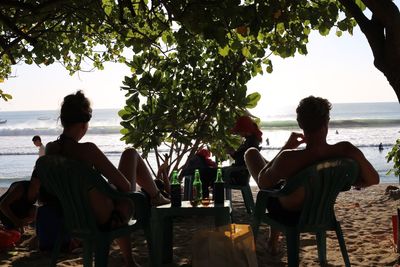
(176, 199)
(218, 191)
(197, 189)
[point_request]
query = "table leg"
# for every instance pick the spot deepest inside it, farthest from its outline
(156, 241)
(222, 218)
(168, 240)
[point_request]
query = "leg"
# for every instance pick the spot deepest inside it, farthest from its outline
(135, 170)
(273, 242)
(125, 246)
(254, 162)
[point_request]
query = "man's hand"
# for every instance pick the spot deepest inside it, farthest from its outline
(294, 141)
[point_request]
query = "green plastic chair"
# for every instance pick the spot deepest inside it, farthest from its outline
(246, 194)
(322, 183)
(245, 190)
(69, 181)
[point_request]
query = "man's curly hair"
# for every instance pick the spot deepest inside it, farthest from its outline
(313, 113)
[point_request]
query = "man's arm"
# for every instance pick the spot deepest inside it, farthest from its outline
(368, 175)
(275, 170)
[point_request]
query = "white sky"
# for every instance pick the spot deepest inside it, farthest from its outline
(338, 68)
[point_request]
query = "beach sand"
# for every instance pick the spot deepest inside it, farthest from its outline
(365, 216)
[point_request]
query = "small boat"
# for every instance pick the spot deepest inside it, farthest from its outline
(3, 121)
(43, 118)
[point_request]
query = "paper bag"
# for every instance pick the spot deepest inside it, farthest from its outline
(231, 245)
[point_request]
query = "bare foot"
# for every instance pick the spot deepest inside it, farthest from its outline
(273, 248)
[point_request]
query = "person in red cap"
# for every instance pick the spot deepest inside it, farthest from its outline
(237, 173)
(207, 167)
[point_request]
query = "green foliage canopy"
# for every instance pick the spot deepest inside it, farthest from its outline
(192, 59)
(186, 97)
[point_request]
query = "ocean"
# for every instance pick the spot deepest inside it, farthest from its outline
(366, 125)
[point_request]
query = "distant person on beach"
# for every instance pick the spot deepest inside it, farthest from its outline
(337, 132)
(380, 147)
(313, 118)
(237, 173)
(75, 116)
(267, 141)
(37, 141)
(17, 207)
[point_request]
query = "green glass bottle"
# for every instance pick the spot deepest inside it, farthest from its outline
(218, 191)
(176, 198)
(197, 189)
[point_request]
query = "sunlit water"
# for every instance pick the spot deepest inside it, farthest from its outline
(366, 125)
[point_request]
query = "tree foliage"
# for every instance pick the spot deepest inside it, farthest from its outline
(186, 96)
(188, 54)
(70, 31)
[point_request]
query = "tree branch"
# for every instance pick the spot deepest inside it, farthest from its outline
(356, 12)
(7, 22)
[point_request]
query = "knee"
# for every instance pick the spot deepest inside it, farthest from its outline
(251, 154)
(130, 153)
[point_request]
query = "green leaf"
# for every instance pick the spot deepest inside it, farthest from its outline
(360, 4)
(252, 100)
(246, 52)
(223, 51)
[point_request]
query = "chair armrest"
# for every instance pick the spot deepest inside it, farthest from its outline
(141, 203)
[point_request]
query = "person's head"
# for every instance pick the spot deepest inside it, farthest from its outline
(76, 112)
(313, 114)
(37, 141)
(245, 127)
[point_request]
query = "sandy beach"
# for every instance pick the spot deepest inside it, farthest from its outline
(365, 216)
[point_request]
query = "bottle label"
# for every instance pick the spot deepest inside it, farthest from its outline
(176, 199)
(218, 193)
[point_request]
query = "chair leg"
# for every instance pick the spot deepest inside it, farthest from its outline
(87, 253)
(57, 248)
(255, 226)
(101, 255)
(342, 245)
(248, 199)
(293, 243)
(321, 246)
(147, 234)
(228, 193)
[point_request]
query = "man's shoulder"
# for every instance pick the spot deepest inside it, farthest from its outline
(344, 147)
(290, 156)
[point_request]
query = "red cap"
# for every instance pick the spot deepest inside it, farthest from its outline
(243, 124)
(246, 124)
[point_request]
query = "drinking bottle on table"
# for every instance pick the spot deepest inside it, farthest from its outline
(218, 191)
(197, 189)
(176, 199)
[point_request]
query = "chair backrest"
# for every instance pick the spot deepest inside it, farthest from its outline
(322, 183)
(69, 181)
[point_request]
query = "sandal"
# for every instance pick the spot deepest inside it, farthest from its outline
(159, 200)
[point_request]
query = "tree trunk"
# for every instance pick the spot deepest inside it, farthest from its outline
(383, 35)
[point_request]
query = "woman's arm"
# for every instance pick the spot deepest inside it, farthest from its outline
(14, 193)
(101, 163)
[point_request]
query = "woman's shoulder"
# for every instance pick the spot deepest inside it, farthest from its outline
(52, 148)
(88, 146)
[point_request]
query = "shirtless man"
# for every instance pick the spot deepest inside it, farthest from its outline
(313, 119)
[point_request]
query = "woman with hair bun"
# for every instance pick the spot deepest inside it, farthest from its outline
(75, 116)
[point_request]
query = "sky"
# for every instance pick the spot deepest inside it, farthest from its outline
(337, 68)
